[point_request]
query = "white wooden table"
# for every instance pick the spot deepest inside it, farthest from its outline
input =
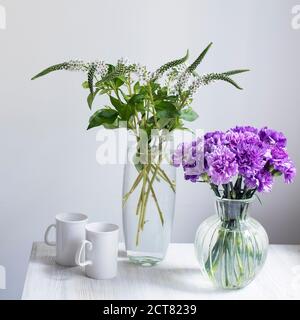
(175, 278)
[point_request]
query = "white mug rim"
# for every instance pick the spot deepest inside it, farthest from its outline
(114, 227)
(62, 217)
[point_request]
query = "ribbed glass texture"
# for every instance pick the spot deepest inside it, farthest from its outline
(230, 246)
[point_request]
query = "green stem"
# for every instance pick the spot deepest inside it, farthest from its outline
(245, 193)
(164, 176)
(238, 186)
(215, 189)
(140, 204)
(123, 94)
(117, 93)
(147, 196)
(129, 85)
(157, 205)
(222, 252)
(135, 184)
(183, 102)
(232, 192)
(152, 104)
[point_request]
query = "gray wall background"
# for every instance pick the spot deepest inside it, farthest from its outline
(47, 162)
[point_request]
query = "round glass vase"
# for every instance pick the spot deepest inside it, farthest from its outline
(148, 209)
(230, 246)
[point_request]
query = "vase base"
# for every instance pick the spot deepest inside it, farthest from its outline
(235, 287)
(144, 261)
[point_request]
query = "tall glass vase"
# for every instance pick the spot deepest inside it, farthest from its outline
(230, 246)
(148, 206)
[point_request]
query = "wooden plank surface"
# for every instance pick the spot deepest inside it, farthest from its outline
(177, 277)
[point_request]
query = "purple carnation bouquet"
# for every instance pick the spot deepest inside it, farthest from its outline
(236, 163)
(232, 247)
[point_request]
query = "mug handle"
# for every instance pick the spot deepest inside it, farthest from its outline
(48, 242)
(79, 253)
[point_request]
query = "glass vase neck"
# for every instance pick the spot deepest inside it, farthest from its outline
(231, 209)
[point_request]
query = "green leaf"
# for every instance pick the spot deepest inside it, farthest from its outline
(166, 109)
(136, 99)
(91, 97)
(154, 86)
(276, 173)
(104, 91)
(118, 82)
(125, 110)
(172, 98)
(119, 105)
(163, 122)
(188, 114)
(162, 93)
(195, 64)
(136, 102)
(111, 68)
(102, 116)
(85, 85)
(90, 100)
(114, 125)
(171, 64)
(136, 87)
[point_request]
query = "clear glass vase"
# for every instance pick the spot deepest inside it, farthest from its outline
(230, 246)
(148, 207)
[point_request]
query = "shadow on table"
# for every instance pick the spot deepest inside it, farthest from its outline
(122, 254)
(47, 263)
(185, 280)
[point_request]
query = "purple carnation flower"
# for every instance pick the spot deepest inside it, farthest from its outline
(250, 154)
(178, 155)
(255, 155)
(243, 129)
(190, 155)
(232, 139)
(278, 157)
(272, 137)
(281, 162)
(263, 181)
(289, 171)
(251, 182)
(212, 139)
(222, 166)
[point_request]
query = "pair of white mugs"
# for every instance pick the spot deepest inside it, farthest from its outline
(90, 245)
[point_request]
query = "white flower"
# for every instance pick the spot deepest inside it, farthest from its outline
(181, 68)
(154, 75)
(195, 85)
(141, 71)
(75, 65)
(183, 80)
(198, 82)
(101, 68)
(123, 61)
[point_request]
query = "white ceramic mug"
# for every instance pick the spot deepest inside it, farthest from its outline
(70, 231)
(101, 252)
